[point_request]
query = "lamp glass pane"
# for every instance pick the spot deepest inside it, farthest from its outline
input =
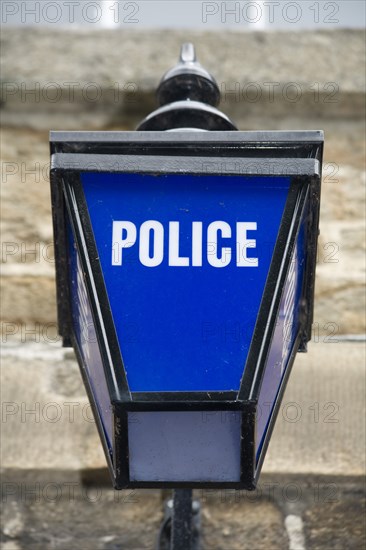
(86, 337)
(184, 446)
(284, 337)
(185, 259)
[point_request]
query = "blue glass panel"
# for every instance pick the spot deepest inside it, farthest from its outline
(286, 331)
(184, 446)
(87, 339)
(185, 259)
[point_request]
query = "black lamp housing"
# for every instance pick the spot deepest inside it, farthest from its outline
(145, 432)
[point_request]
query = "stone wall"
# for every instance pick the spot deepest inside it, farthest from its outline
(106, 80)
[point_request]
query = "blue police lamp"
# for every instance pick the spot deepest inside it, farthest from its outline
(185, 258)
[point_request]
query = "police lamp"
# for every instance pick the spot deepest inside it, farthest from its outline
(185, 258)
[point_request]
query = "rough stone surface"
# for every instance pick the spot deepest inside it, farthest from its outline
(340, 524)
(46, 411)
(42, 511)
(321, 423)
(28, 301)
(95, 519)
(130, 52)
(242, 525)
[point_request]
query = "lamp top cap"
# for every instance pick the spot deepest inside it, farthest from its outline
(188, 80)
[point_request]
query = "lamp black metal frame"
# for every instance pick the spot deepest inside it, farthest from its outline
(297, 155)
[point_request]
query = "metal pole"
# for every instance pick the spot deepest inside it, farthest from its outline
(181, 534)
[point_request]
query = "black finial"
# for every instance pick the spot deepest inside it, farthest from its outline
(188, 53)
(187, 95)
(188, 80)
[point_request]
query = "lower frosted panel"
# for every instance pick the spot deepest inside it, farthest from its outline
(184, 446)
